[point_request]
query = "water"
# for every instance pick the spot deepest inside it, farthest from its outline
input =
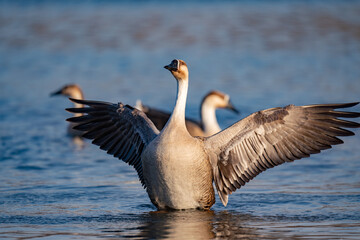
(263, 54)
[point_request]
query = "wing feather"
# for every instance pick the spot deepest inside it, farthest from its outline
(119, 129)
(272, 137)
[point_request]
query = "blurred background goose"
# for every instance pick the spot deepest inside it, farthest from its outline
(178, 169)
(208, 124)
(73, 91)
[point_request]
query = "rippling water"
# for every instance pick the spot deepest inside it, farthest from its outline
(263, 54)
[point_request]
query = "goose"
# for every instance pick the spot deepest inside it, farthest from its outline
(74, 91)
(208, 124)
(178, 170)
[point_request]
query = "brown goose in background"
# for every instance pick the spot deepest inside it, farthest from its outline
(208, 124)
(73, 91)
(178, 169)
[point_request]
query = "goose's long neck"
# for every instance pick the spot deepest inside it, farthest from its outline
(177, 118)
(208, 119)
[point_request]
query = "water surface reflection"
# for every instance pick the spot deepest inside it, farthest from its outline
(190, 224)
(193, 224)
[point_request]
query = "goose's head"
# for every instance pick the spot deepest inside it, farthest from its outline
(178, 69)
(219, 99)
(70, 90)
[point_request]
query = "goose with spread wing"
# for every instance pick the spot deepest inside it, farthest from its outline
(178, 170)
(73, 91)
(208, 124)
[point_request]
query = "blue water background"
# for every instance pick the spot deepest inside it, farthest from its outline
(263, 54)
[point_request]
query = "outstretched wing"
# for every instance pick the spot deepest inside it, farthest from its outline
(271, 137)
(119, 129)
